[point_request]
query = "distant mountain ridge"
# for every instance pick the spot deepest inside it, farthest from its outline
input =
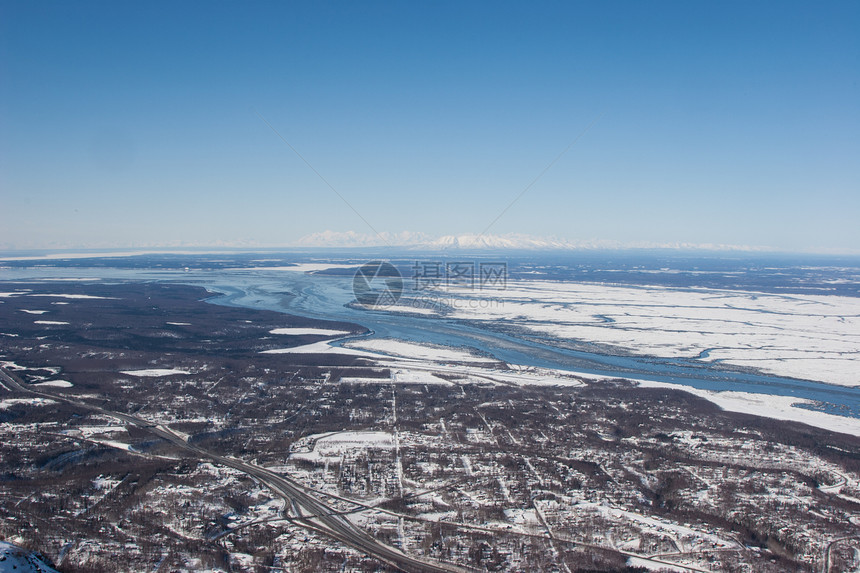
(513, 241)
(403, 240)
(499, 242)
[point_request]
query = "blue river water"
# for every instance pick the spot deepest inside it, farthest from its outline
(328, 297)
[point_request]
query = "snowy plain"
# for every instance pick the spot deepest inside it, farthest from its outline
(810, 337)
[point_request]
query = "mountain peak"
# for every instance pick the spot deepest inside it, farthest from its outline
(471, 241)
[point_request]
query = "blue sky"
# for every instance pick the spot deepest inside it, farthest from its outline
(133, 124)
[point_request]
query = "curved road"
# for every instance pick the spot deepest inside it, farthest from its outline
(316, 514)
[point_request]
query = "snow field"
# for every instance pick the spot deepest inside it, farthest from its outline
(812, 337)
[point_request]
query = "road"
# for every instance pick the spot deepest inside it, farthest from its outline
(315, 515)
(829, 551)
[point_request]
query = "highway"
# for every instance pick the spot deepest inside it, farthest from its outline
(315, 515)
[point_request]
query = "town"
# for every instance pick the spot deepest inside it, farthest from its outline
(145, 429)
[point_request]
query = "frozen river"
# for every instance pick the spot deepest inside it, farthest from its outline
(329, 297)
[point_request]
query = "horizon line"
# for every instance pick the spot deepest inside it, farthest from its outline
(48, 253)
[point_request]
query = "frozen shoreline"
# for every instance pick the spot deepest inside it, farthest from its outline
(767, 406)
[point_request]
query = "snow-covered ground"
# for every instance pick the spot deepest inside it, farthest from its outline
(10, 402)
(14, 559)
(301, 267)
(154, 372)
(333, 445)
(413, 363)
(383, 348)
(410, 309)
(811, 337)
(321, 347)
(308, 331)
(407, 376)
(658, 526)
(404, 349)
(55, 384)
(778, 407)
(88, 431)
(655, 565)
(765, 405)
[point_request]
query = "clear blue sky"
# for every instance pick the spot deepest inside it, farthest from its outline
(132, 123)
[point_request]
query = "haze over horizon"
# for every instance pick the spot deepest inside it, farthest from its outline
(141, 125)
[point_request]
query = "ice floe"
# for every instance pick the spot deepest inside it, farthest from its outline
(76, 296)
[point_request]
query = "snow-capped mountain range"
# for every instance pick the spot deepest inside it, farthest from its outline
(513, 241)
